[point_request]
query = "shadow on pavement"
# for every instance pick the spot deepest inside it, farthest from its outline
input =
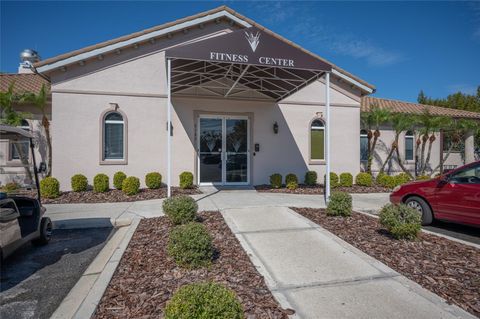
(463, 232)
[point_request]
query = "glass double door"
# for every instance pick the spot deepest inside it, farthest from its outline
(223, 150)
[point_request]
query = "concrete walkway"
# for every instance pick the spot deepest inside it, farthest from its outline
(320, 276)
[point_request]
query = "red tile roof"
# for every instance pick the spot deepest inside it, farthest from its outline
(414, 108)
(24, 82)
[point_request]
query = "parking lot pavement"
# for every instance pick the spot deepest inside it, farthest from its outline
(35, 280)
(463, 232)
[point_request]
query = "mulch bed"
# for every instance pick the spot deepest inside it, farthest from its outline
(447, 268)
(115, 195)
(318, 189)
(147, 277)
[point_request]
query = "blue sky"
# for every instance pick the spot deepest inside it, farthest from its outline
(401, 47)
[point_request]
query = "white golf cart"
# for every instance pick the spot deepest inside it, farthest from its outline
(21, 214)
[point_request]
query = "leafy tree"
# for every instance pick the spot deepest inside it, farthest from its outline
(40, 101)
(371, 121)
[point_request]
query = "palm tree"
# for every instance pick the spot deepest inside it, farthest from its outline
(371, 121)
(400, 123)
(40, 100)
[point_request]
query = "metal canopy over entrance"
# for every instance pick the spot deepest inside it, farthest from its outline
(247, 64)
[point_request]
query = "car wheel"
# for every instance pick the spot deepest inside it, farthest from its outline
(46, 229)
(422, 207)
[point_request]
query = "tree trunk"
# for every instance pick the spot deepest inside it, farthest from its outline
(401, 164)
(390, 154)
(422, 156)
(427, 160)
(445, 157)
(46, 125)
(369, 149)
(370, 156)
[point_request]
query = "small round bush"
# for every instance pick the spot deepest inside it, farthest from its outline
(311, 178)
(79, 183)
(131, 185)
(203, 301)
(385, 180)
(118, 179)
(292, 185)
(401, 221)
(422, 177)
(364, 179)
(291, 178)
(340, 204)
(401, 179)
(10, 187)
(346, 180)
(333, 180)
(276, 180)
(186, 180)
(153, 180)
(100, 183)
(190, 245)
(181, 209)
(50, 187)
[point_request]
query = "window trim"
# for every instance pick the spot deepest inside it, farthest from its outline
(310, 159)
(18, 161)
(410, 136)
(102, 159)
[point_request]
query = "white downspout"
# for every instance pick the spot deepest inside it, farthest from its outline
(169, 128)
(327, 107)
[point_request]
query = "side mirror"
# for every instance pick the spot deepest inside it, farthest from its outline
(442, 180)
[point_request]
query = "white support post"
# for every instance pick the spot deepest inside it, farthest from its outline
(327, 160)
(169, 128)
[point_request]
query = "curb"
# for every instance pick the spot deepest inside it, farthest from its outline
(91, 223)
(83, 299)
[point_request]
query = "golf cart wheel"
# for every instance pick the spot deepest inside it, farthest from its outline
(422, 207)
(46, 229)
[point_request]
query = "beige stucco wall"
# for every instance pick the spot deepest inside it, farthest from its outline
(135, 79)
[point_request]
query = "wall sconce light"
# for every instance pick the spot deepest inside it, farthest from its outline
(275, 128)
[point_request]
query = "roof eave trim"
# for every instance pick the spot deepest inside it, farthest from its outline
(353, 81)
(144, 37)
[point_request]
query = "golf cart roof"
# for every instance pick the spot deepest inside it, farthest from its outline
(12, 133)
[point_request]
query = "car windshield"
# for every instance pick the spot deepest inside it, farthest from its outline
(16, 166)
(469, 175)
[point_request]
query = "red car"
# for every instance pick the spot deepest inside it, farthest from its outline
(454, 196)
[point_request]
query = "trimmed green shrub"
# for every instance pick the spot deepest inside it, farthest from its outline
(181, 209)
(50, 187)
(9, 187)
(292, 185)
(79, 183)
(401, 179)
(190, 245)
(340, 204)
(131, 185)
(385, 180)
(291, 178)
(422, 177)
(333, 180)
(311, 178)
(346, 180)
(401, 221)
(186, 180)
(276, 180)
(100, 183)
(203, 301)
(153, 180)
(364, 179)
(118, 179)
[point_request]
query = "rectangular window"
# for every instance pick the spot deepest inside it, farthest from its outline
(409, 148)
(18, 149)
(318, 144)
(363, 148)
(113, 141)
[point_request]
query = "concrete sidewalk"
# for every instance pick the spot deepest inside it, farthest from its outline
(320, 276)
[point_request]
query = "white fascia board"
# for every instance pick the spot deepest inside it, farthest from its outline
(352, 81)
(141, 38)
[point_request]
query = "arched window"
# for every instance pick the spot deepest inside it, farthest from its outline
(363, 145)
(409, 142)
(113, 136)
(317, 140)
(20, 148)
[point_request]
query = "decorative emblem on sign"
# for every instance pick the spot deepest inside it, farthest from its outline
(252, 39)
